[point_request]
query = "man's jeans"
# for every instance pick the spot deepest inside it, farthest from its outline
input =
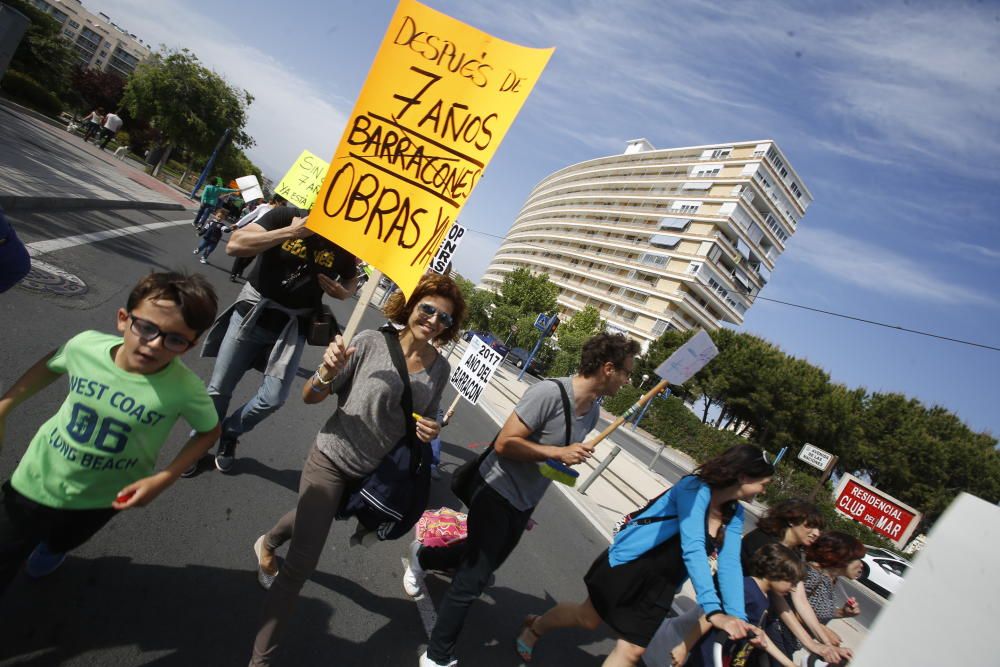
(235, 358)
(204, 213)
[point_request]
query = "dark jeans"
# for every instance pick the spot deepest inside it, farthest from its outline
(495, 527)
(24, 523)
(239, 265)
(204, 213)
(206, 247)
(108, 136)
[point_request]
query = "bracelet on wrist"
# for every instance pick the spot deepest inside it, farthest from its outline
(318, 377)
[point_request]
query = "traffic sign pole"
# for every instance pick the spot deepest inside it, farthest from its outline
(825, 476)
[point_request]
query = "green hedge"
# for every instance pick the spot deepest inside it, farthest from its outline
(32, 94)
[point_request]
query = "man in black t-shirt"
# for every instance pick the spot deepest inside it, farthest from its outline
(266, 327)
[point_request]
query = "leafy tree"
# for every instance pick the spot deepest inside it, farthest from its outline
(572, 334)
(42, 55)
(526, 293)
(478, 303)
(233, 162)
(191, 105)
(94, 88)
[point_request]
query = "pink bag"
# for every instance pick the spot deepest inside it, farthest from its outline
(441, 527)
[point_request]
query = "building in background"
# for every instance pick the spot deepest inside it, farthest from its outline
(99, 42)
(679, 238)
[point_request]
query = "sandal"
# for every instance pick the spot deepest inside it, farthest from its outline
(523, 649)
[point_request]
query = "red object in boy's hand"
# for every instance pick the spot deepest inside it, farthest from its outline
(124, 497)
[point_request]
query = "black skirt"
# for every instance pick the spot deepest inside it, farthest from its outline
(634, 598)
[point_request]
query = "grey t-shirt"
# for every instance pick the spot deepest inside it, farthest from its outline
(541, 409)
(368, 421)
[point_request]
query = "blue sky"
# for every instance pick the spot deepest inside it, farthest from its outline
(889, 111)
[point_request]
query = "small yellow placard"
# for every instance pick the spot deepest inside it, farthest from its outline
(302, 182)
(438, 100)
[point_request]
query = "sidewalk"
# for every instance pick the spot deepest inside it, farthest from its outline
(43, 167)
(625, 485)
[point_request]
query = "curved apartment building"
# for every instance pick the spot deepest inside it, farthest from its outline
(677, 238)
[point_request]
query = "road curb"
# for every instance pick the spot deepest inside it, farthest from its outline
(33, 204)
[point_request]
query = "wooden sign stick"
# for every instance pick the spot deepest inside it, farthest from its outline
(613, 426)
(366, 295)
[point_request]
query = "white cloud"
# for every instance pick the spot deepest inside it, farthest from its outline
(887, 83)
(287, 115)
(879, 270)
(979, 252)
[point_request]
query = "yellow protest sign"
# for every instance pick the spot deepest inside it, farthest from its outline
(438, 100)
(302, 182)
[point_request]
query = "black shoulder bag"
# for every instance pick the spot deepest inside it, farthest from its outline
(465, 479)
(391, 499)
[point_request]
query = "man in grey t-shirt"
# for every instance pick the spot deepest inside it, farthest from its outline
(510, 484)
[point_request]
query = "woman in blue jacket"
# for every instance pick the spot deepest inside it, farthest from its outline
(692, 530)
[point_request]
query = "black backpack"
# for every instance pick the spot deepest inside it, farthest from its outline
(391, 499)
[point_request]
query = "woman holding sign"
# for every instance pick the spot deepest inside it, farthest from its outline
(366, 424)
(692, 530)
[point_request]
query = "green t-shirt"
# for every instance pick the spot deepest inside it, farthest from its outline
(109, 430)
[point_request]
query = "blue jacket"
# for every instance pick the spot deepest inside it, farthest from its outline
(688, 501)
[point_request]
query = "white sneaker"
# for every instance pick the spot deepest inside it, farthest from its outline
(413, 577)
(427, 662)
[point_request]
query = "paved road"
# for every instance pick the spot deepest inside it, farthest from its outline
(173, 584)
(39, 160)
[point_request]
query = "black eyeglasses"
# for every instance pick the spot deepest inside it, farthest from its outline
(430, 311)
(149, 332)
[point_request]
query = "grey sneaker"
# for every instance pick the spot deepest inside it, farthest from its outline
(226, 456)
(263, 578)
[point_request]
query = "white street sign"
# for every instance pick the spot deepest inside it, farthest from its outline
(475, 369)
(688, 359)
(815, 456)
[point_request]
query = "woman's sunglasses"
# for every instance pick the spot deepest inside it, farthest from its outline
(430, 311)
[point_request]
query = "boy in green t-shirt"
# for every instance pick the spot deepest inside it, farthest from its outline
(97, 455)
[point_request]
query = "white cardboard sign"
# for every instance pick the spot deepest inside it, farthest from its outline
(688, 359)
(249, 188)
(449, 246)
(815, 456)
(475, 369)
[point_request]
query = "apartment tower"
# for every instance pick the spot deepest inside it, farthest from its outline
(99, 42)
(679, 238)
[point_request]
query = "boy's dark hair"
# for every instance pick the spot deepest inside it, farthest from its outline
(725, 469)
(790, 513)
(192, 294)
(398, 308)
(603, 348)
(278, 200)
(777, 562)
(835, 549)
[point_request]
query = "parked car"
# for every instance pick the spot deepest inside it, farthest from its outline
(518, 356)
(882, 571)
(487, 338)
(500, 347)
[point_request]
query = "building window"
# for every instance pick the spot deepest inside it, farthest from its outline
(73, 24)
(722, 152)
(659, 327)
